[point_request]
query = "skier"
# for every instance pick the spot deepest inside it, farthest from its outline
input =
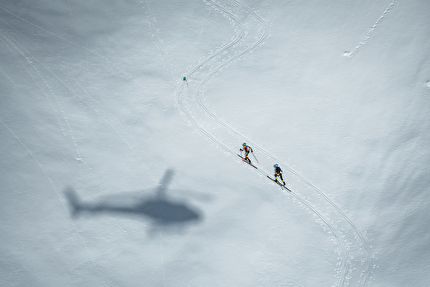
(278, 172)
(246, 149)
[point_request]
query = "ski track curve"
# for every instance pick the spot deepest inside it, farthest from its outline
(9, 43)
(346, 266)
(222, 145)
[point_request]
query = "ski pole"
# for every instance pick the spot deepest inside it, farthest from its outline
(255, 157)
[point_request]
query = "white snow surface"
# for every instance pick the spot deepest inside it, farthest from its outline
(115, 171)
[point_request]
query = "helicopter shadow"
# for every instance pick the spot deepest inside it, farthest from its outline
(159, 208)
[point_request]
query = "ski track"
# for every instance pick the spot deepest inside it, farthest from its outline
(9, 43)
(109, 62)
(31, 61)
(346, 266)
(168, 64)
(90, 256)
(29, 58)
(370, 32)
(75, 94)
(161, 47)
(80, 99)
(7, 77)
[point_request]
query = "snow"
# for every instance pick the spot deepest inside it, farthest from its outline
(116, 172)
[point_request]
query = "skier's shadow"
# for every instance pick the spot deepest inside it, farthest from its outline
(160, 209)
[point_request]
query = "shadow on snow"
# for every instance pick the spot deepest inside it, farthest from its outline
(160, 209)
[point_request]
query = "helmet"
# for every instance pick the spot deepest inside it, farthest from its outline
(276, 165)
(244, 144)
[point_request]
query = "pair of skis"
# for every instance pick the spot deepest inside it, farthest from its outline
(249, 162)
(279, 183)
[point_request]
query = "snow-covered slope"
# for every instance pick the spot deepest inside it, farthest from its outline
(117, 172)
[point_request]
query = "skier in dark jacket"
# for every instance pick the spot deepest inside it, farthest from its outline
(278, 172)
(247, 149)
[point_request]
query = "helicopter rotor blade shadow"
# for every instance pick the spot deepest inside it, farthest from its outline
(160, 209)
(164, 183)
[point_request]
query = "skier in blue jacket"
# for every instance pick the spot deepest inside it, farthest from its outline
(278, 172)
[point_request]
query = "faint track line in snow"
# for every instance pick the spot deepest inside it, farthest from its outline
(355, 228)
(161, 47)
(170, 68)
(345, 265)
(370, 32)
(23, 52)
(6, 76)
(197, 67)
(164, 55)
(362, 238)
(332, 229)
(226, 46)
(6, 41)
(59, 198)
(79, 98)
(196, 41)
(162, 258)
(110, 125)
(76, 95)
(206, 79)
(124, 74)
(34, 158)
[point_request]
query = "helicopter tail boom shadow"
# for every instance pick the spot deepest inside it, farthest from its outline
(160, 209)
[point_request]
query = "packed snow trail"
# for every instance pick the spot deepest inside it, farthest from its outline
(225, 62)
(345, 217)
(275, 159)
(40, 74)
(346, 265)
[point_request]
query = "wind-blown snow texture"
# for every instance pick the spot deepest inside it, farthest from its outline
(116, 172)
